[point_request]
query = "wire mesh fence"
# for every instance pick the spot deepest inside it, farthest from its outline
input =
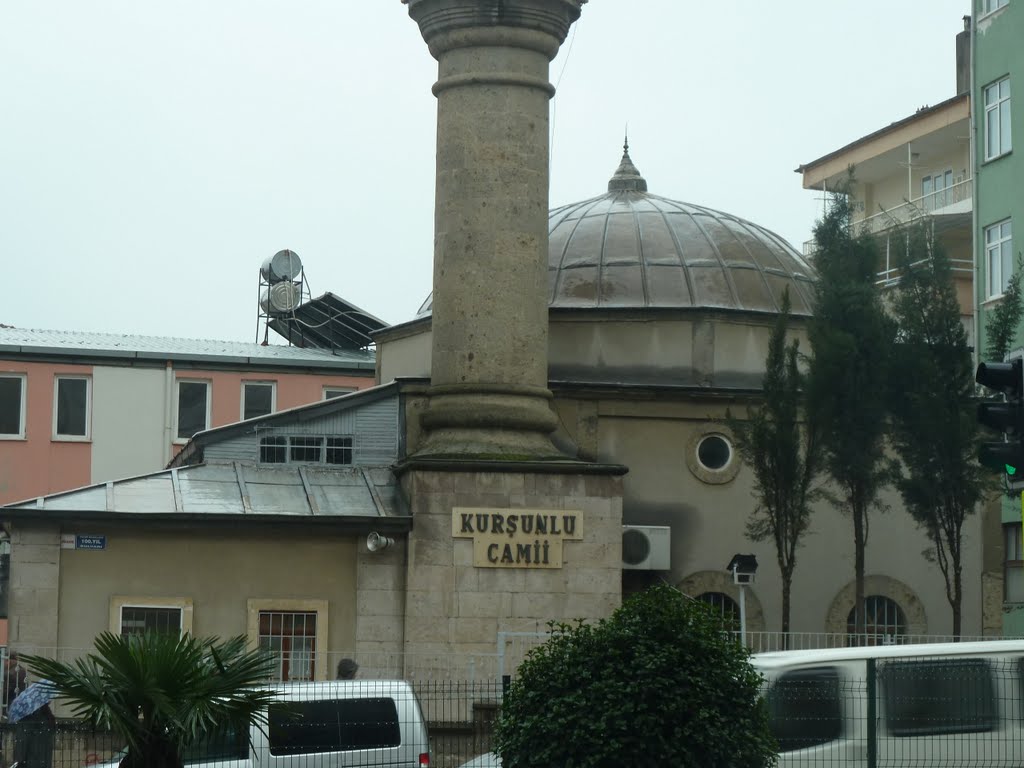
(898, 707)
(897, 711)
(393, 723)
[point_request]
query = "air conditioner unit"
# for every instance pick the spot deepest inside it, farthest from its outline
(646, 547)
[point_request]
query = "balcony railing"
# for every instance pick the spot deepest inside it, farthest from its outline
(933, 204)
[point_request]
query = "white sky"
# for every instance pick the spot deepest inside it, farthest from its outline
(153, 155)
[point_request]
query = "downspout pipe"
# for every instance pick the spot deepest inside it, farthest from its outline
(973, 165)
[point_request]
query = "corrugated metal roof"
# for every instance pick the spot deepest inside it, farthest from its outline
(232, 491)
(63, 343)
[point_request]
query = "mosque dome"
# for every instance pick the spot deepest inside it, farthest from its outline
(630, 249)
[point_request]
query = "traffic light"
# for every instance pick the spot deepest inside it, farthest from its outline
(1006, 455)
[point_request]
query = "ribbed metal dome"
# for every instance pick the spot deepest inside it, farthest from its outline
(629, 249)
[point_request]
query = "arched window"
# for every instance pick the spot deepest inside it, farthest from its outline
(724, 606)
(884, 623)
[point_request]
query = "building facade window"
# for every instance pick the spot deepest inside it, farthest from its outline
(293, 630)
(193, 408)
(991, 6)
(137, 615)
(12, 406)
(331, 392)
(714, 452)
(937, 190)
(1013, 564)
(258, 398)
(138, 620)
(997, 119)
(306, 449)
(999, 256)
(71, 408)
(884, 623)
(723, 606)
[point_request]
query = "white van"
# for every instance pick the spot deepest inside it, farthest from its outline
(955, 704)
(336, 724)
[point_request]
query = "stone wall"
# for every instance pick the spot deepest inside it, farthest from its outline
(35, 578)
(454, 606)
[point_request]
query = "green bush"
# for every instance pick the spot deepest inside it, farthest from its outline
(657, 684)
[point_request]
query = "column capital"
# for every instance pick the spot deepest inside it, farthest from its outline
(438, 19)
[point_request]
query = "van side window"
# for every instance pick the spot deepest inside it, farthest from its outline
(804, 708)
(336, 725)
(939, 696)
(223, 744)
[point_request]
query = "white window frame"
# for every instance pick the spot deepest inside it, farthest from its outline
(994, 256)
(258, 383)
(20, 434)
(257, 605)
(991, 6)
(343, 390)
(994, 110)
(177, 397)
(57, 379)
(120, 602)
(291, 443)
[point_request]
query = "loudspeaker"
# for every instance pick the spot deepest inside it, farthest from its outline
(375, 542)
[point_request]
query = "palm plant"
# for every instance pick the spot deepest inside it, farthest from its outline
(162, 693)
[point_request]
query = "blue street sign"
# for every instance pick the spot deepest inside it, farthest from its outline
(90, 542)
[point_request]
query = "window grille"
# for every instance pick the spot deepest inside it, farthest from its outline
(292, 637)
(723, 606)
(306, 449)
(137, 620)
(884, 623)
(273, 450)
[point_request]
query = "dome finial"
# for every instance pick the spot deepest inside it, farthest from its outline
(626, 175)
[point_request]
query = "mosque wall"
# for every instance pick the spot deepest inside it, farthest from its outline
(708, 512)
(656, 433)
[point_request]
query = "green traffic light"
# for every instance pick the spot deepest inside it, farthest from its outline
(1011, 470)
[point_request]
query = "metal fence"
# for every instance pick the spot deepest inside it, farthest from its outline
(894, 711)
(316, 725)
(899, 713)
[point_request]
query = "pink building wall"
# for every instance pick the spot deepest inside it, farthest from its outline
(293, 389)
(39, 464)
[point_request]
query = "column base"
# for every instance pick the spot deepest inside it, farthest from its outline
(489, 423)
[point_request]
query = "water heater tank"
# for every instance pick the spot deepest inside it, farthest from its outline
(282, 266)
(281, 298)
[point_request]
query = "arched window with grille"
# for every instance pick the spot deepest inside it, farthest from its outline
(724, 606)
(884, 623)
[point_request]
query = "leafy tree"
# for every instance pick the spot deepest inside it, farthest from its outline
(784, 458)
(658, 683)
(161, 693)
(851, 338)
(1004, 320)
(935, 429)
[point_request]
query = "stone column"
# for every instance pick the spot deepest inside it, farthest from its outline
(489, 396)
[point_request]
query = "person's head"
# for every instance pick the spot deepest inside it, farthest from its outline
(347, 669)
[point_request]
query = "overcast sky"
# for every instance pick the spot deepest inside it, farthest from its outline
(153, 155)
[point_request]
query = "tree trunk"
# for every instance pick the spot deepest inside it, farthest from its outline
(787, 583)
(155, 751)
(859, 545)
(957, 602)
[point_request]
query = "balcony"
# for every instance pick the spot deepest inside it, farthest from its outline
(949, 208)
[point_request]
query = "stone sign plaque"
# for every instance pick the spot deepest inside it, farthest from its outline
(517, 538)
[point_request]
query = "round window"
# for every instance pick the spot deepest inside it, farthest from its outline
(714, 452)
(710, 455)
